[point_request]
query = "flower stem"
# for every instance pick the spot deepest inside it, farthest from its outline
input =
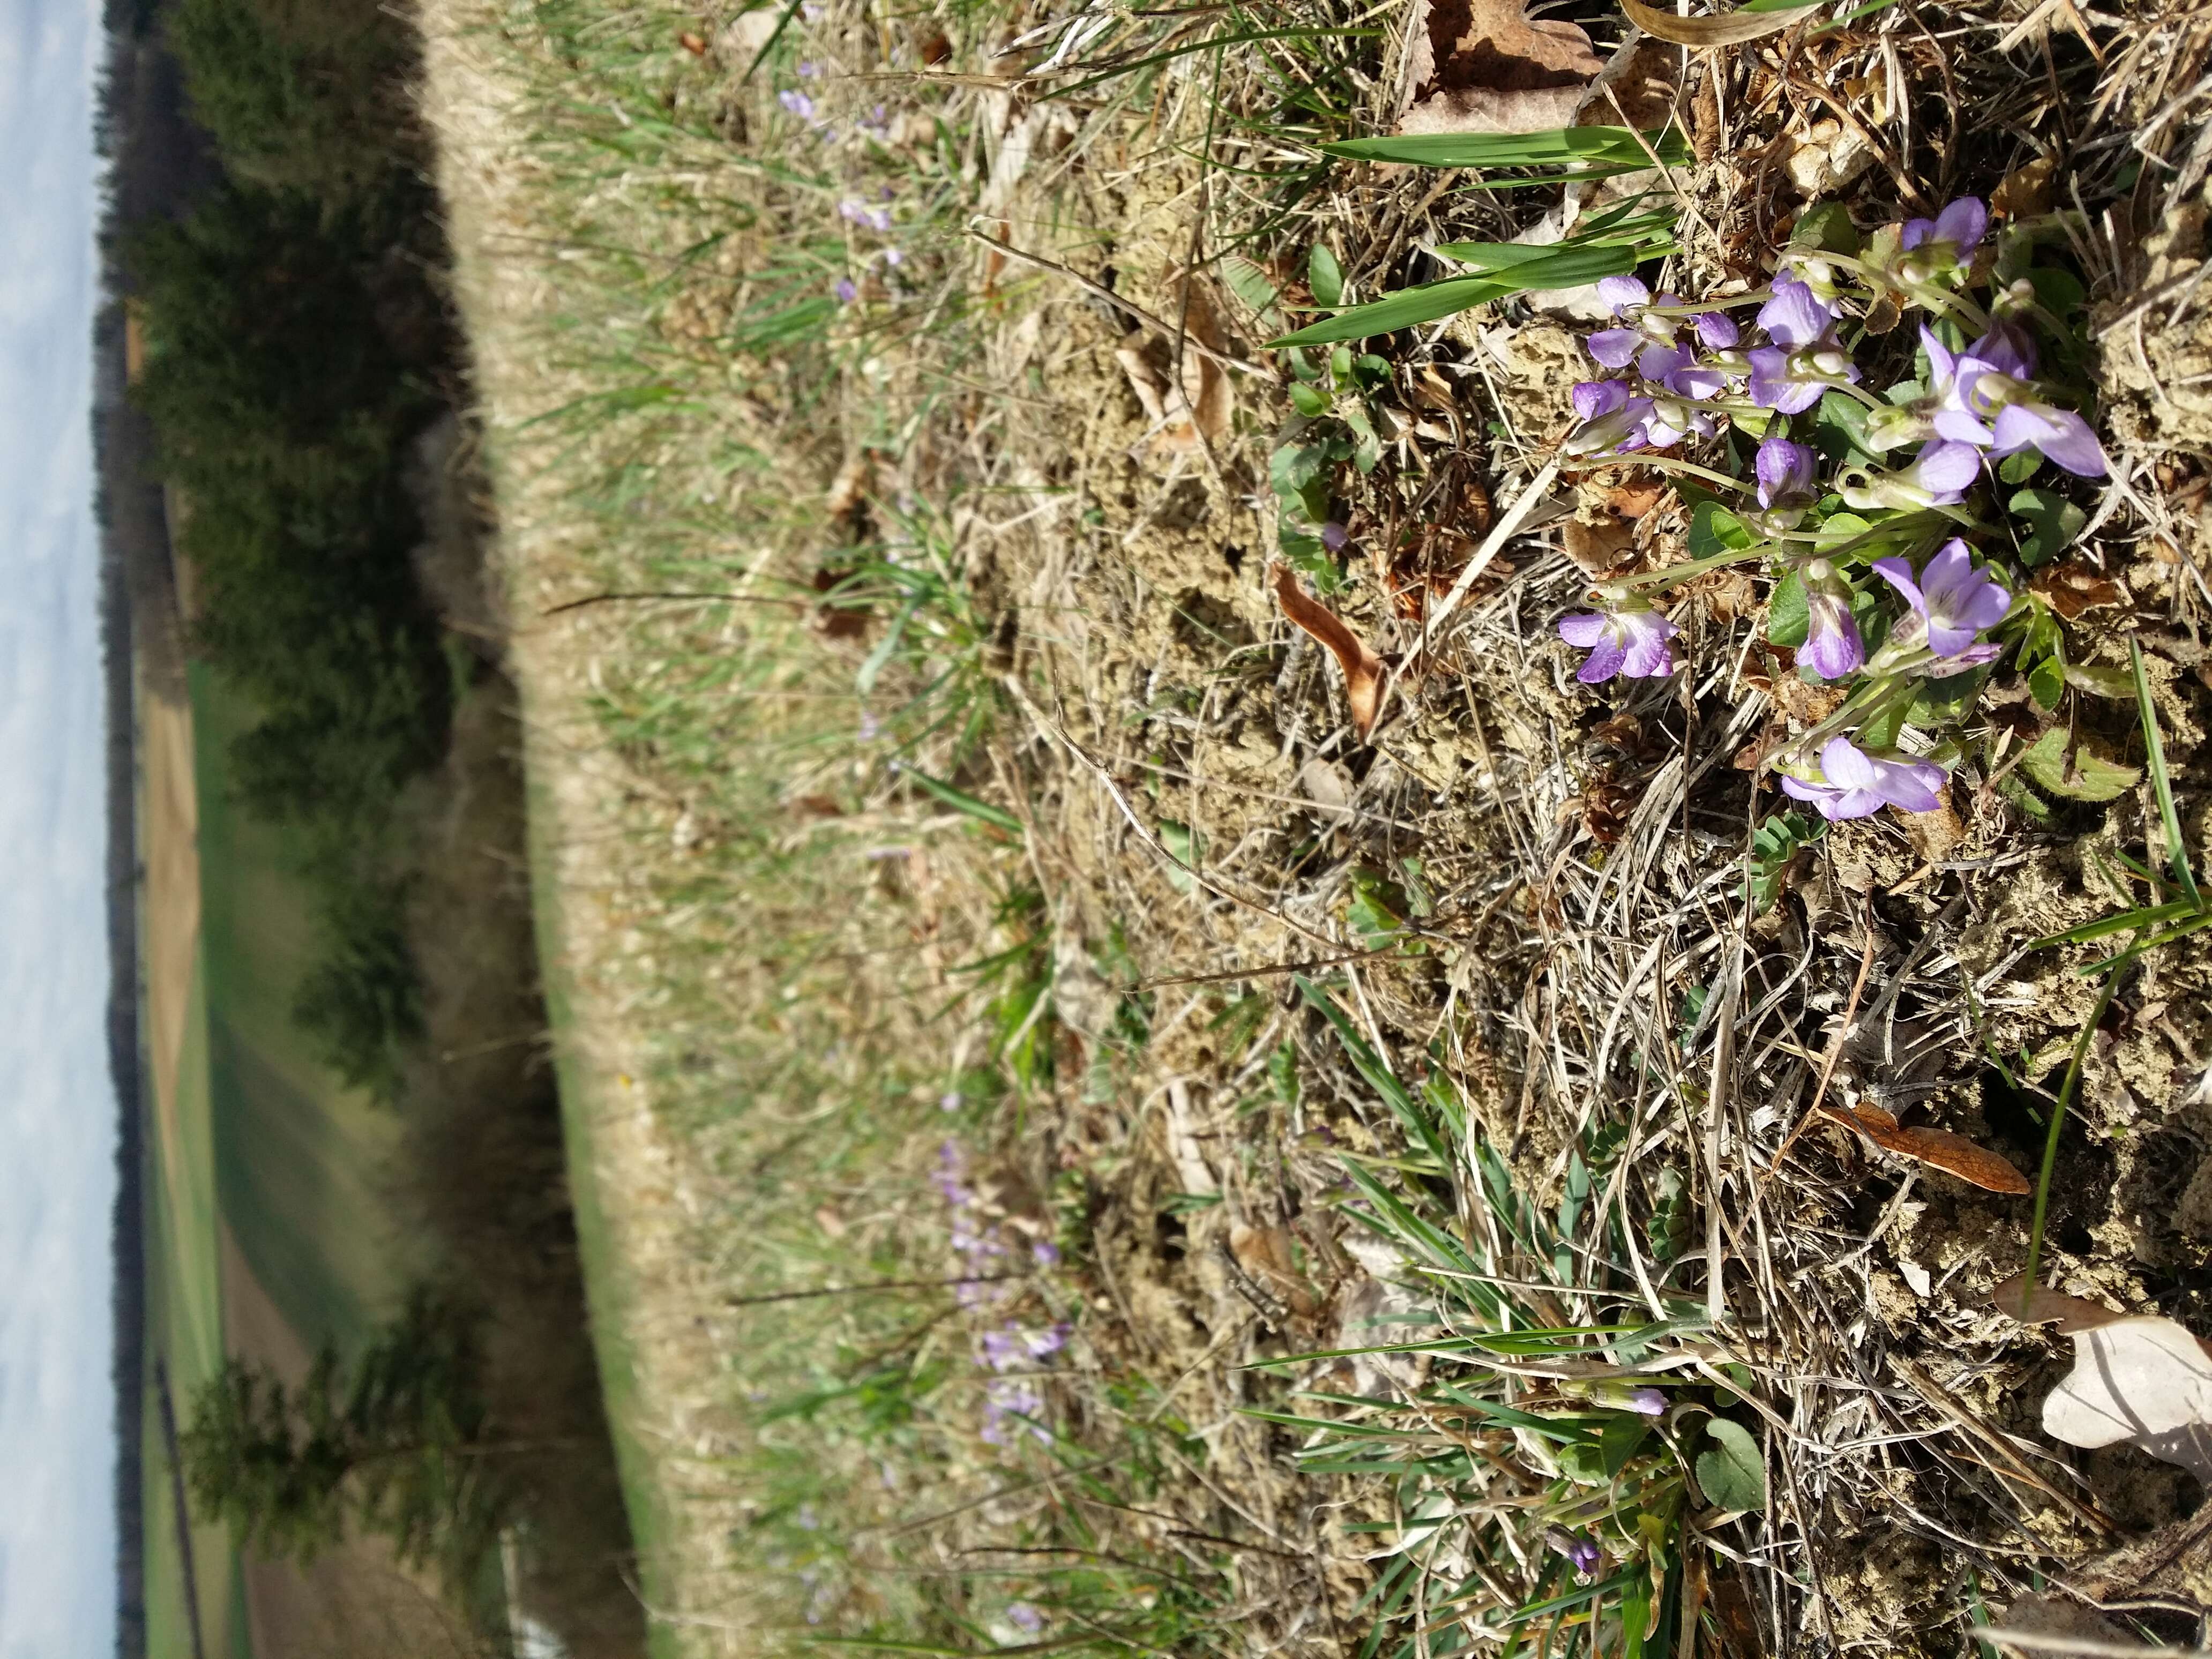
(1872, 702)
(1658, 581)
(1669, 464)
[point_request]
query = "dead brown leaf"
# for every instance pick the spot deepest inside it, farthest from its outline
(2072, 587)
(1605, 809)
(1727, 593)
(1267, 1253)
(1364, 672)
(2049, 1306)
(2026, 191)
(1635, 495)
(1800, 699)
(1885, 313)
(1189, 411)
(2049, 1616)
(1482, 66)
(1938, 1148)
(1730, 29)
(1640, 84)
(838, 622)
(1738, 1619)
(1595, 548)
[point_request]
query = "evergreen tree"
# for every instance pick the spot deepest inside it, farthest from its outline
(396, 1442)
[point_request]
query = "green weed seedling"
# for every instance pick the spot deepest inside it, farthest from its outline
(1338, 419)
(1543, 1464)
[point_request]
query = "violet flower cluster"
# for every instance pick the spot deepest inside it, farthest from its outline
(875, 217)
(1010, 1352)
(1875, 585)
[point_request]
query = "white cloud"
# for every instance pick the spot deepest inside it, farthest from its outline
(57, 1114)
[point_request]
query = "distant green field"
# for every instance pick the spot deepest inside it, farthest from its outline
(184, 1311)
(271, 1145)
(299, 1158)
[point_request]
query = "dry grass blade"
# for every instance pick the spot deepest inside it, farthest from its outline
(1730, 29)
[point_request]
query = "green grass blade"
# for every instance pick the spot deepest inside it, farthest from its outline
(2058, 1121)
(2108, 964)
(2177, 850)
(960, 801)
(1378, 1076)
(1563, 265)
(1561, 146)
(1406, 308)
(2149, 916)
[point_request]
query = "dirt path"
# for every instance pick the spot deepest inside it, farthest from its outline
(170, 919)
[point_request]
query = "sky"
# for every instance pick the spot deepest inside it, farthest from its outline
(56, 1107)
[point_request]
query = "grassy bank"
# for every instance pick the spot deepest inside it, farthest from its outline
(611, 1295)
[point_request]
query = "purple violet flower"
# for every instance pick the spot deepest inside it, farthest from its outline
(1670, 420)
(1335, 537)
(1004, 1350)
(1615, 348)
(950, 1166)
(2063, 436)
(1628, 299)
(846, 290)
(1953, 600)
(1939, 476)
(1988, 403)
(1025, 1618)
(1622, 294)
(1804, 360)
(1010, 1399)
(1833, 647)
(1945, 244)
(1854, 784)
(797, 102)
(1612, 421)
(1046, 1253)
(1717, 330)
(1677, 368)
(862, 213)
(2008, 349)
(1795, 318)
(1789, 383)
(1785, 472)
(1580, 1550)
(1631, 642)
